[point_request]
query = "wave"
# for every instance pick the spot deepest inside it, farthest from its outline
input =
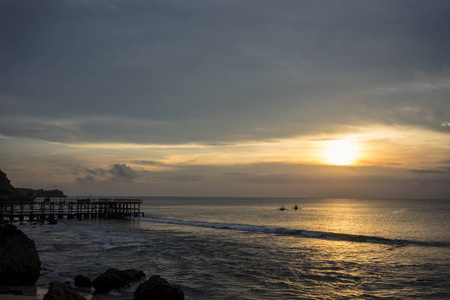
(301, 233)
(109, 246)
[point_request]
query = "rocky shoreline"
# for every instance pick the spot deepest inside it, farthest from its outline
(20, 267)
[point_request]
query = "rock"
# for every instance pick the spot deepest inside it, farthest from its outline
(52, 221)
(157, 288)
(114, 279)
(19, 259)
(58, 290)
(83, 281)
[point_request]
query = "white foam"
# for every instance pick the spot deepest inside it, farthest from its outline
(109, 246)
(311, 233)
(238, 227)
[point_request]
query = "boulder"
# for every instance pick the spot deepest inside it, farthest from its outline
(83, 281)
(19, 259)
(114, 279)
(157, 288)
(58, 290)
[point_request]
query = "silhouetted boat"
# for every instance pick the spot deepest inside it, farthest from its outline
(296, 207)
(282, 207)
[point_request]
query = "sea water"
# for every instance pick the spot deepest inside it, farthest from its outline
(246, 248)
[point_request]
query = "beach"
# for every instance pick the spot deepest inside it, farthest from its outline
(29, 293)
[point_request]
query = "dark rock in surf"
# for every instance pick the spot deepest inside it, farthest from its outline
(19, 259)
(157, 288)
(114, 279)
(52, 221)
(83, 281)
(58, 290)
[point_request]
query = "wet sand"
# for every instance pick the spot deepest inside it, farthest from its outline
(14, 297)
(29, 293)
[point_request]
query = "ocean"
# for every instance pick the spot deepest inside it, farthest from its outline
(247, 248)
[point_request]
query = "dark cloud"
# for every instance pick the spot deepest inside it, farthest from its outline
(123, 172)
(221, 73)
(310, 179)
(86, 179)
(208, 71)
(148, 163)
(117, 172)
(442, 170)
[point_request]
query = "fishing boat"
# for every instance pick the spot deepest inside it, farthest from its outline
(282, 207)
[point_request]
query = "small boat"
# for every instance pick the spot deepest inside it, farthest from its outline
(282, 207)
(296, 207)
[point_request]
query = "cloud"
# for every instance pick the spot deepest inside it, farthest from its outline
(116, 83)
(117, 172)
(442, 170)
(310, 179)
(176, 72)
(148, 163)
(284, 179)
(180, 178)
(123, 172)
(88, 179)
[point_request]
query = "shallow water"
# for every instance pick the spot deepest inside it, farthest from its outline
(245, 248)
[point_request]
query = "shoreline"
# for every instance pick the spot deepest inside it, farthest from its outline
(38, 293)
(29, 293)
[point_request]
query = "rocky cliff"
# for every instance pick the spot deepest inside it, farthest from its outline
(10, 193)
(41, 193)
(7, 191)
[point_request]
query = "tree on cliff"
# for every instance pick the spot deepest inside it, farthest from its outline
(7, 191)
(10, 193)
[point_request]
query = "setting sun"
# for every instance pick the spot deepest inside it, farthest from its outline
(340, 152)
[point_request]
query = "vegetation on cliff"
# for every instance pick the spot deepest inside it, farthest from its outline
(10, 193)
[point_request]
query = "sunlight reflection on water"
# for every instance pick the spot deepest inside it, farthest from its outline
(255, 261)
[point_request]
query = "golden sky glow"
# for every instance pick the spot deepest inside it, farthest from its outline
(388, 150)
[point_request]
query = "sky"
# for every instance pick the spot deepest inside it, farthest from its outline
(246, 98)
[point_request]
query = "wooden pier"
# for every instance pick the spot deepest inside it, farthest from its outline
(69, 208)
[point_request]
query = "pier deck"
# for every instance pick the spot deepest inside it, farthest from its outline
(70, 208)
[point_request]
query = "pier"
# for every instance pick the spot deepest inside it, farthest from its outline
(70, 208)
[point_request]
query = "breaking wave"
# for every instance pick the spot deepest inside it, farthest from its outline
(300, 233)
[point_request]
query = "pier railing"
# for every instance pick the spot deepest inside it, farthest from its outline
(86, 200)
(70, 208)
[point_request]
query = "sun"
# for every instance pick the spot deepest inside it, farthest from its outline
(340, 152)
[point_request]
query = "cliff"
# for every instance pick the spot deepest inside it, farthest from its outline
(41, 193)
(7, 191)
(10, 193)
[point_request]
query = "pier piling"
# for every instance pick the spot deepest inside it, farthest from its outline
(70, 208)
